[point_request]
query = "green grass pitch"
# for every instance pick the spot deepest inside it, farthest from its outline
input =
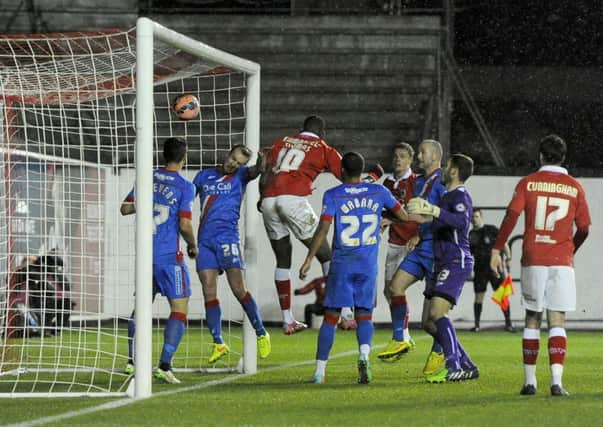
(279, 395)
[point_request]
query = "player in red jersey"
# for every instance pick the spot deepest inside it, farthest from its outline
(401, 184)
(292, 165)
(552, 201)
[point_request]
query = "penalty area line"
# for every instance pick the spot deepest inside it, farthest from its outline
(129, 401)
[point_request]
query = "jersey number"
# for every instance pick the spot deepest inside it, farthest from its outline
(288, 159)
(161, 217)
(547, 222)
(229, 250)
(352, 225)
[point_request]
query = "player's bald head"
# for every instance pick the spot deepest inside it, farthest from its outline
(434, 147)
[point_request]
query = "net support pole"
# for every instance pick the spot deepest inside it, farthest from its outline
(252, 225)
(144, 207)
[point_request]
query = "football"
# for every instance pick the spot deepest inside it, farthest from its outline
(186, 107)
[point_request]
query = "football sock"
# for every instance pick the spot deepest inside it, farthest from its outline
(325, 268)
(365, 330)
(253, 313)
(447, 338)
(172, 335)
(213, 317)
(557, 349)
(326, 336)
(436, 347)
(282, 279)
(466, 362)
(406, 332)
(507, 314)
(131, 332)
(477, 312)
(398, 308)
(321, 366)
(531, 346)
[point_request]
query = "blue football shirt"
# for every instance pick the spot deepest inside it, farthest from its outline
(430, 188)
(355, 210)
(220, 197)
(173, 198)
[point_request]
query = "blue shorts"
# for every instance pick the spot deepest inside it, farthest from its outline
(220, 254)
(419, 263)
(450, 281)
(171, 280)
(351, 289)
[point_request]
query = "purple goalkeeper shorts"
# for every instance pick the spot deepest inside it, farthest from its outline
(450, 279)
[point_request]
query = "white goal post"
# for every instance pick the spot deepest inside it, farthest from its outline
(83, 117)
(146, 32)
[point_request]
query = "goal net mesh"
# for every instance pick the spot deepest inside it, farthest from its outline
(67, 257)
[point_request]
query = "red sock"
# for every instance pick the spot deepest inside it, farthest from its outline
(557, 347)
(530, 351)
(283, 287)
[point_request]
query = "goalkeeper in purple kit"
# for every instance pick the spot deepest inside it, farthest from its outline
(173, 199)
(355, 208)
(453, 263)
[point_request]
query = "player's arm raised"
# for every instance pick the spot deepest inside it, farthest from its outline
(260, 164)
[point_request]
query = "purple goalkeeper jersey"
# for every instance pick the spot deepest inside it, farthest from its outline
(451, 229)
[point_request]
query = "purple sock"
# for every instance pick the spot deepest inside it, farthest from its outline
(447, 338)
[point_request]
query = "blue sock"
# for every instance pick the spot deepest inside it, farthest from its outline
(171, 336)
(436, 346)
(366, 329)
(447, 337)
(326, 337)
(253, 314)
(213, 317)
(398, 309)
(131, 332)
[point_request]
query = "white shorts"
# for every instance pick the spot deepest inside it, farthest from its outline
(548, 288)
(395, 255)
(284, 213)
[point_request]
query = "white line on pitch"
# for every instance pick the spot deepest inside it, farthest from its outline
(128, 401)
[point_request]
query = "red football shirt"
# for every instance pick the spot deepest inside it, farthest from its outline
(402, 189)
(294, 162)
(552, 202)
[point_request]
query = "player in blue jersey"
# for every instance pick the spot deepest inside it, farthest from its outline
(355, 207)
(450, 221)
(221, 191)
(173, 198)
(418, 264)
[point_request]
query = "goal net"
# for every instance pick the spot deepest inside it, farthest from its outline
(83, 118)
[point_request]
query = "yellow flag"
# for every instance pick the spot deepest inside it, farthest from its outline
(504, 291)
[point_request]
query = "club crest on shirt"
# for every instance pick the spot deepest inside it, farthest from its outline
(460, 207)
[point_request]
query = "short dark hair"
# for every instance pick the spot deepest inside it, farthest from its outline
(405, 146)
(552, 148)
(242, 148)
(174, 150)
(314, 124)
(353, 164)
(464, 164)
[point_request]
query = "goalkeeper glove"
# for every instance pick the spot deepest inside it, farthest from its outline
(374, 172)
(420, 206)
